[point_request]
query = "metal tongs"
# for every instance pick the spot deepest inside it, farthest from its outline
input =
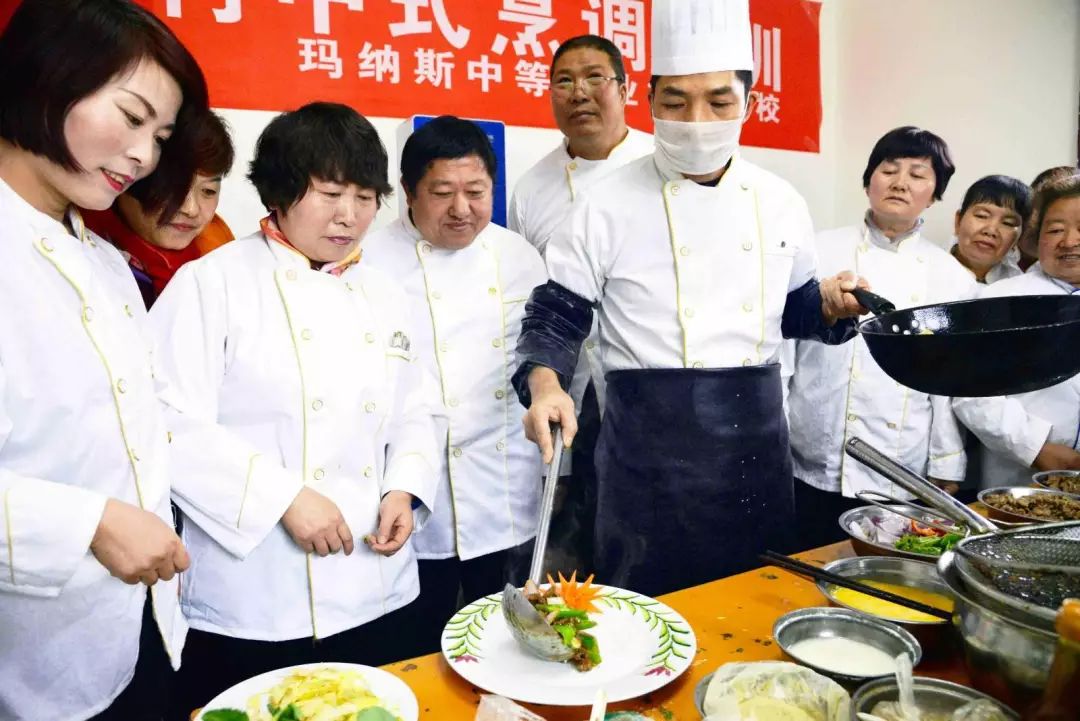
(526, 624)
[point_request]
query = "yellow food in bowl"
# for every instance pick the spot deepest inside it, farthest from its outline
(887, 609)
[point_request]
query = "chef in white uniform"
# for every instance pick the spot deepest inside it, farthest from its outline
(85, 525)
(1037, 431)
(300, 432)
(988, 226)
(468, 280)
(838, 393)
(698, 263)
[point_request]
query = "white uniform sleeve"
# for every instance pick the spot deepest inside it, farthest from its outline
(948, 460)
(1004, 426)
(574, 254)
(45, 526)
(221, 482)
(515, 220)
(412, 444)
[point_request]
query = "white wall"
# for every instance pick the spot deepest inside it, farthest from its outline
(998, 79)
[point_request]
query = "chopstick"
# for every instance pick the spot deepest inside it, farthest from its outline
(805, 569)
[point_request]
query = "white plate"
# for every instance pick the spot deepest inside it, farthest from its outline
(644, 645)
(394, 693)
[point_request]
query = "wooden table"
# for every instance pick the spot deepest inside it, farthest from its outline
(733, 620)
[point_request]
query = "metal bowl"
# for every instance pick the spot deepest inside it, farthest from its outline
(1040, 479)
(931, 694)
(1020, 492)
(807, 623)
(936, 636)
(864, 547)
(1005, 658)
(700, 691)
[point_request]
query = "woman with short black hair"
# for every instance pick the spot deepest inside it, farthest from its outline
(302, 436)
(839, 392)
(95, 95)
(988, 225)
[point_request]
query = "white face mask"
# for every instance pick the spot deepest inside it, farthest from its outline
(697, 148)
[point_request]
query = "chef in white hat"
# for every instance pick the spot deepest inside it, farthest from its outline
(698, 264)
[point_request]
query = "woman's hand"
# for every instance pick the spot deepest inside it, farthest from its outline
(837, 300)
(395, 523)
(316, 524)
(136, 545)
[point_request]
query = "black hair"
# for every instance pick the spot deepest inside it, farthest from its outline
(1060, 188)
(55, 53)
(213, 156)
(592, 42)
(745, 76)
(444, 137)
(912, 142)
(1054, 174)
(1002, 191)
(327, 141)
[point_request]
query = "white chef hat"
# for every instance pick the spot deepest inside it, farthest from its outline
(700, 36)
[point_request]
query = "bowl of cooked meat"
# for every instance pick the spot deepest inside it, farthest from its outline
(1023, 504)
(1064, 481)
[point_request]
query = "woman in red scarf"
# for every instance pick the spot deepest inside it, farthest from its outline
(156, 247)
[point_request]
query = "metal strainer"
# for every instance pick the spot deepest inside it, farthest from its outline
(1034, 565)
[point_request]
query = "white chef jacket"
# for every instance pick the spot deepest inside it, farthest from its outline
(282, 376)
(686, 275)
(542, 201)
(79, 423)
(838, 392)
(468, 306)
(1014, 428)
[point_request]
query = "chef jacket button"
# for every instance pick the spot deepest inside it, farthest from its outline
(493, 291)
(290, 274)
(121, 386)
(920, 259)
(46, 245)
(747, 246)
(698, 364)
(444, 346)
(128, 312)
(453, 402)
(306, 334)
(914, 298)
(425, 248)
(369, 407)
(748, 307)
(674, 189)
(457, 453)
(590, 344)
(688, 312)
(852, 417)
(746, 361)
(368, 471)
(349, 285)
(500, 394)
(168, 436)
(497, 343)
(572, 166)
(369, 337)
(436, 294)
(318, 474)
(854, 373)
(500, 446)
(684, 251)
(317, 404)
(891, 426)
(87, 313)
(863, 248)
(744, 186)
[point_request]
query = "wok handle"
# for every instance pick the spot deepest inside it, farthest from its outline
(918, 486)
(873, 302)
(547, 502)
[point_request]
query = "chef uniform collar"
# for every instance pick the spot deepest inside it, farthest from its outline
(701, 36)
(877, 236)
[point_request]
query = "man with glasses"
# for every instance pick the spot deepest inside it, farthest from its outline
(588, 100)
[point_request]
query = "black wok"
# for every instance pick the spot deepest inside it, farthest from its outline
(983, 347)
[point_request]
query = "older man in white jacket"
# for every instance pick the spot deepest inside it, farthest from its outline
(467, 280)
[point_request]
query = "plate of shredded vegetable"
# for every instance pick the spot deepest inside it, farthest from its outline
(626, 643)
(316, 692)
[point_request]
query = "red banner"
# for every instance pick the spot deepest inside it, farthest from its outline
(479, 58)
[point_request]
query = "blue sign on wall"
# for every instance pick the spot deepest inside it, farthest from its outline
(496, 132)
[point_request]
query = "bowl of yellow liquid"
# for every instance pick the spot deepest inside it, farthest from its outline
(916, 580)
